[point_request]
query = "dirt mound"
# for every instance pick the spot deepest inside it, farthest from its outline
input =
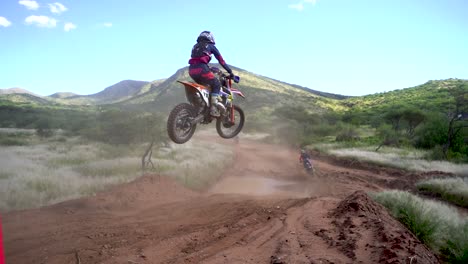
(357, 219)
(358, 204)
(148, 190)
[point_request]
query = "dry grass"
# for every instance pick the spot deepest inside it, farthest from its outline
(454, 190)
(437, 225)
(54, 171)
(408, 159)
(197, 164)
(39, 175)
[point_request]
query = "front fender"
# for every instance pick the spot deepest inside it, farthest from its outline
(233, 90)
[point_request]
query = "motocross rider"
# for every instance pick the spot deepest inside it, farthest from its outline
(201, 73)
(304, 156)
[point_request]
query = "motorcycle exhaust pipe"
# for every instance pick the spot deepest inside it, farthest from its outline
(197, 120)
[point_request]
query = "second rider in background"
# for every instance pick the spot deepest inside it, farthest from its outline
(200, 71)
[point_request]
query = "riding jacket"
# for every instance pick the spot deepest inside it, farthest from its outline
(201, 53)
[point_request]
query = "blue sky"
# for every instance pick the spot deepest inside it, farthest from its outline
(350, 47)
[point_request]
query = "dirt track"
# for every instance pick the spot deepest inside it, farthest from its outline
(265, 209)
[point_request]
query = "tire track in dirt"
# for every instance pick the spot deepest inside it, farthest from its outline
(265, 209)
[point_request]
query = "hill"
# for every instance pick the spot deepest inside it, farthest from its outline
(118, 92)
(115, 93)
(112, 94)
(263, 96)
(15, 90)
(431, 96)
(62, 95)
(261, 93)
(24, 98)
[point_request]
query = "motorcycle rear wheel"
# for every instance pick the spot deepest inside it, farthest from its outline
(179, 127)
(228, 129)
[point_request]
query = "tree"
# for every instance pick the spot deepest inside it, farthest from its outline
(394, 116)
(388, 135)
(413, 118)
(153, 131)
(433, 132)
(43, 128)
(457, 115)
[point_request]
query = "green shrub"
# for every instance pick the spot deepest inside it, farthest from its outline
(388, 135)
(66, 161)
(5, 175)
(433, 133)
(349, 134)
(43, 128)
(460, 156)
(456, 248)
(12, 142)
(437, 153)
(13, 139)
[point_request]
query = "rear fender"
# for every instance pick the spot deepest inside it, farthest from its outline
(194, 89)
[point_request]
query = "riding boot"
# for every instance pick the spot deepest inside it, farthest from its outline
(214, 109)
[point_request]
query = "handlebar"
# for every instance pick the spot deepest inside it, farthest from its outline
(216, 70)
(235, 78)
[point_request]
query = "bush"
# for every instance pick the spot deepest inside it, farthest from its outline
(433, 133)
(349, 134)
(437, 153)
(388, 136)
(322, 129)
(12, 142)
(14, 139)
(456, 248)
(43, 128)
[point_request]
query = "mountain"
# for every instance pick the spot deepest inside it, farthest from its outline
(15, 90)
(21, 96)
(112, 94)
(162, 95)
(118, 92)
(25, 98)
(261, 93)
(63, 95)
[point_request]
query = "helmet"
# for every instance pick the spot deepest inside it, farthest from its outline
(206, 36)
(303, 151)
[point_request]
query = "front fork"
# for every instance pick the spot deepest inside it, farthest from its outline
(230, 108)
(232, 115)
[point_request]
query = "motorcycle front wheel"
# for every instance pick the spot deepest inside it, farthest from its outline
(179, 126)
(228, 127)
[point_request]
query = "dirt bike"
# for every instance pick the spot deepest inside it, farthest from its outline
(308, 166)
(184, 118)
